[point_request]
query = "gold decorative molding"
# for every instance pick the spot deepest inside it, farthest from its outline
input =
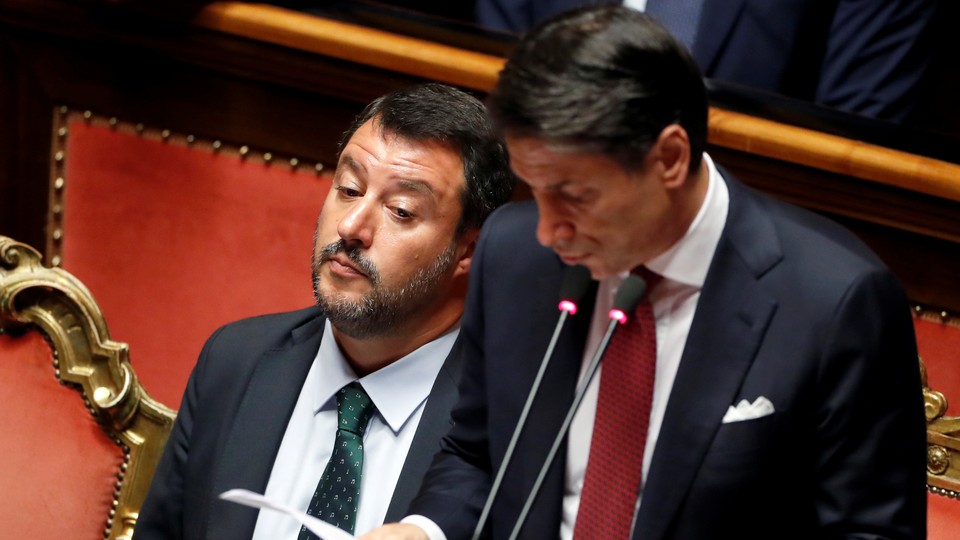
(63, 116)
(85, 358)
(943, 441)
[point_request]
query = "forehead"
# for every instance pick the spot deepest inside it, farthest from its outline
(372, 145)
(544, 164)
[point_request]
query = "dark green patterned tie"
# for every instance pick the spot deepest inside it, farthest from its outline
(338, 493)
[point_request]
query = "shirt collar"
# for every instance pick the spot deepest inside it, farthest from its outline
(397, 389)
(688, 260)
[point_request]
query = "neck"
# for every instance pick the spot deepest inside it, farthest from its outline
(370, 354)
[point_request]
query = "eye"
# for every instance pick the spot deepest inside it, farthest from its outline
(347, 192)
(578, 196)
(402, 213)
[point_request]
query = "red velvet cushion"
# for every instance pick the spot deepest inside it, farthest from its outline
(58, 468)
(174, 242)
(943, 517)
(939, 346)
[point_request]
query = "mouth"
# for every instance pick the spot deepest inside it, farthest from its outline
(571, 259)
(343, 266)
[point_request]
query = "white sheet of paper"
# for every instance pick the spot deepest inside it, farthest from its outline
(320, 528)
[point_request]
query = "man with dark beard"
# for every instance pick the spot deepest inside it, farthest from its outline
(326, 409)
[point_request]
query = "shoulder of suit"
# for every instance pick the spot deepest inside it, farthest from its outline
(271, 330)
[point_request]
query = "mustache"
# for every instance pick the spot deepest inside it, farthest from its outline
(365, 265)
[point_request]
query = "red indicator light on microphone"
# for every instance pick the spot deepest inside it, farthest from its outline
(568, 306)
(618, 316)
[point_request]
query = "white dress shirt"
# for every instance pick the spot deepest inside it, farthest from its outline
(399, 391)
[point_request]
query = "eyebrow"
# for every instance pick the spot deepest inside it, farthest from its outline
(406, 184)
(353, 164)
(418, 186)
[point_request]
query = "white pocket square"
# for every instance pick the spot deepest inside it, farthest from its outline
(748, 411)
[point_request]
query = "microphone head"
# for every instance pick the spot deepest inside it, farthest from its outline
(576, 281)
(627, 298)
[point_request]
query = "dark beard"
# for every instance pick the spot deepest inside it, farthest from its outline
(383, 311)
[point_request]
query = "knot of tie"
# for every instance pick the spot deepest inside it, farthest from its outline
(354, 409)
(649, 277)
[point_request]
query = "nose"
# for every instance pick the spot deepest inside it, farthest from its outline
(553, 228)
(357, 225)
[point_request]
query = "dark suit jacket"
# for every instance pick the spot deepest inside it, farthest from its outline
(233, 416)
(863, 56)
(794, 308)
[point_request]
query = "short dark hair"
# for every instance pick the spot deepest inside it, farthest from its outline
(440, 113)
(607, 79)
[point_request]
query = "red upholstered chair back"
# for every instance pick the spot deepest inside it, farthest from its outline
(81, 438)
(177, 236)
(938, 340)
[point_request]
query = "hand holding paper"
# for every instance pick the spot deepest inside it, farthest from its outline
(320, 528)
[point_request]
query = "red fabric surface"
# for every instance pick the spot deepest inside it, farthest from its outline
(943, 517)
(174, 242)
(939, 346)
(58, 466)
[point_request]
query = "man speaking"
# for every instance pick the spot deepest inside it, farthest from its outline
(781, 398)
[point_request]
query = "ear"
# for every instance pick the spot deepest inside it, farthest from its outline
(465, 246)
(673, 155)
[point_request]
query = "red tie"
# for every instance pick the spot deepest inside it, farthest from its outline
(614, 470)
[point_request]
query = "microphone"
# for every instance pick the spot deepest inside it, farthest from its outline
(576, 281)
(626, 300)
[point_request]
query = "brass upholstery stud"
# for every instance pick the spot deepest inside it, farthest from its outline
(244, 150)
(190, 139)
(59, 183)
(294, 162)
(87, 115)
(58, 234)
(55, 261)
(57, 209)
(62, 132)
(58, 156)
(165, 134)
(112, 121)
(944, 315)
(268, 157)
(318, 167)
(216, 145)
(64, 109)
(138, 128)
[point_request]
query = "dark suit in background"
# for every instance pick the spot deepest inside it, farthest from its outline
(794, 308)
(234, 413)
(862, 56)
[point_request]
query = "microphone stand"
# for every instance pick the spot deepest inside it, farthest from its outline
(576, 280)
(631, 290)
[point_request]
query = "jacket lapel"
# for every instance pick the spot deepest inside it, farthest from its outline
(434, 423)
(258, 428)
(732, 316)
(551, 405)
